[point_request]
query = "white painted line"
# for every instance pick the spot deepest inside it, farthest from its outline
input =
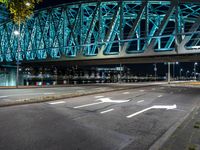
(140, 101)
(153, 107)
(48, 93)
(126, 92)
(99, 96)
(103, 112)
(3, 96)
(141, 90)
(91, 104)
(59, 102)
(179, 109)
(160, 96)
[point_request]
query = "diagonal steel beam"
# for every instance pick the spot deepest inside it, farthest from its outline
(72, 27)
(162, 26)
(111, 27)
(135, 25)
(92, 24)
(187, 38)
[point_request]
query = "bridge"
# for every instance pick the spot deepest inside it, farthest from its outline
(106, 30)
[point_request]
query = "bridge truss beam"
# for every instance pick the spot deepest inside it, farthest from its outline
(107, 29)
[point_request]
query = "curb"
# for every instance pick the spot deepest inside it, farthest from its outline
(159, 143)
(59, 97)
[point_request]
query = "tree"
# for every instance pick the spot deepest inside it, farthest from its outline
(20, 9)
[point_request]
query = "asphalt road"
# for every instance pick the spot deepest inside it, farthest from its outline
(130, 120)
(17, 94)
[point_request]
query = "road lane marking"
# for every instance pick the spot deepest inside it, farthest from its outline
(160, 96)
(102, 100)
(167, 107)
(153, 89)
(126, 92)
(141, 90)
(3, 96)
(99, 96)
(140, 101)
(103, 112)
(86, 105)
(48, 93)
(59, 102)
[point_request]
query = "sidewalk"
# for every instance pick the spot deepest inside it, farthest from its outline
(187, 135)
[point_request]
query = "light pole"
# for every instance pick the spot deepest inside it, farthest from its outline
(169, 73)
(155, 71)
(187, 74)
(174, 69)
(181, 70)
(195, 64)
(17, 33)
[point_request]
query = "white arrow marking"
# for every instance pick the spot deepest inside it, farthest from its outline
(108, 100)
(153, 107)
(103, 100)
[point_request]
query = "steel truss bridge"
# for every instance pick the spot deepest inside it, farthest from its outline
(105, 30)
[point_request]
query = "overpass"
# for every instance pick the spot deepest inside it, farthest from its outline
(106, 31)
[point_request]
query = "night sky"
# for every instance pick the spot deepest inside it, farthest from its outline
(47, 3)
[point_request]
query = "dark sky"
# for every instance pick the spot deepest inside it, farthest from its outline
(47, 3)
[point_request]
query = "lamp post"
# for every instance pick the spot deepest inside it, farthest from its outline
(174, 69)
(181, 70)
(187, 74)
(195, 64)
(17, 33)
(155, 71)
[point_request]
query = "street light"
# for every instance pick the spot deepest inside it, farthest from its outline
(155, 70)
(195, 64)
(174, 70)
(17, 33)
(181, 70)
(187, 74)
(28, 4)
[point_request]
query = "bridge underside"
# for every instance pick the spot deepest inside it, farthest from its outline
(106, 32)
(113, 61)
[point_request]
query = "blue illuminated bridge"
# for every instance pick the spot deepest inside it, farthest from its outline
(96, 30)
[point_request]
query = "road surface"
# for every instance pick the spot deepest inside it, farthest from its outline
(130, 120)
